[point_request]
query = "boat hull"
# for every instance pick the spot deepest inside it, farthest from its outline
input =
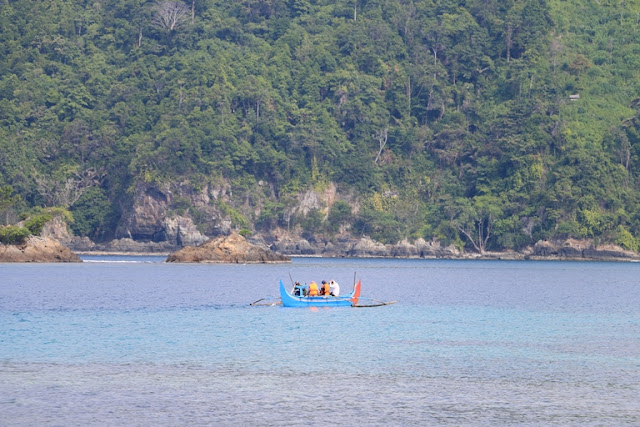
(348, 300)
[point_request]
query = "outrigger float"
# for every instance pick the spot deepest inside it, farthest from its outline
(353, 299)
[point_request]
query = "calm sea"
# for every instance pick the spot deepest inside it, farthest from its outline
(134, 341)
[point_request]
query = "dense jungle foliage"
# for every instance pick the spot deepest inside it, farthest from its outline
(487, 123)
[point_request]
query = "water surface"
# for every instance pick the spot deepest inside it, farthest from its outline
(136, 341)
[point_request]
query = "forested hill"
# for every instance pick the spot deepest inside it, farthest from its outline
(487, 123)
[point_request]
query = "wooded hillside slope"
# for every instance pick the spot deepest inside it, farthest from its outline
(490, 124)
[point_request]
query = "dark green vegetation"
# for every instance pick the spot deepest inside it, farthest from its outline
(448, 119)
(32, 225)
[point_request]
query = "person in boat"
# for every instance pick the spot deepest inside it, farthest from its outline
(298, 290)
(334, 287)
(313, 289)
(324, 289)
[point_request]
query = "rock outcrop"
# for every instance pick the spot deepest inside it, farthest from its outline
(181, 231)
(367, 247)
(57, 229)
(294, 246)
(135, 247)
(349, 246)
(229, 249)
(150, 220)
(37, 249)
(580, 250)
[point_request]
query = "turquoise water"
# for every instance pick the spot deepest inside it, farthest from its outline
(126, 340)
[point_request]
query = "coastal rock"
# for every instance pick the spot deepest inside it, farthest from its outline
(544, 248)
(57, 229)
(331, 250)
(450, 251)
(133, 246)
(427, 249)
(181, 231)
(580, 250)
(153, 215)
(80, 244)
(37, 249)
(572, 249)
(144, 222)
(404, 249)
(609, 252)
(367, 247)
(434, 249)
(294, 246)
(229, 249)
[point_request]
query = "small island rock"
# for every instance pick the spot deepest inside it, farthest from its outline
(37, 249)
(227, 249)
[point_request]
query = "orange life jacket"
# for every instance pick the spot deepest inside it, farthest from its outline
(324, 290)
(313, 289)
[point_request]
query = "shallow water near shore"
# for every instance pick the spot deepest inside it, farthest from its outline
(131, 340)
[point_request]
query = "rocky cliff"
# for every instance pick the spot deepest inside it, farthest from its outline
(166, 217)
(230, 249)
(158, 215)
(37, 249)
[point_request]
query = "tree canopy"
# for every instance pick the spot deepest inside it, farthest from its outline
(489, 124)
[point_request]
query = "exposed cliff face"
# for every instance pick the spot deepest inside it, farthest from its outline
(230, 249)
(144, 222)
(181, 231)
(152, 219)
(154, 225)
(316, 200)
(37, 249)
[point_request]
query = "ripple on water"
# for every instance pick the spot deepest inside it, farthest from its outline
(165, 394)
(467, 343)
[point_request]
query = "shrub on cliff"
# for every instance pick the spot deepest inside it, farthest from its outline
(13, 235)
(625, 239)
(35, 223)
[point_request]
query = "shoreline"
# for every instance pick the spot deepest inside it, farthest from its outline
(543, 250)
(493, 256)
(121, 253)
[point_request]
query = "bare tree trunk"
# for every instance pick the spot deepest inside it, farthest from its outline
(479, 243)
(509, 41)
(381, 136)
(409, 93)
(468, 235)
(170, 15)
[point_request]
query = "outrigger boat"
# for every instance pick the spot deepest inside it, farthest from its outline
(348, 300)
(288, 299)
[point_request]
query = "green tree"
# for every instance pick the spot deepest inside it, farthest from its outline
(339, 215)
(93, 214)
(7, 200)
(475, 219)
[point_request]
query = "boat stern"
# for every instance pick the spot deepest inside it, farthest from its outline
(356, 293)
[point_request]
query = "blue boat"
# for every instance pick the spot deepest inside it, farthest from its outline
(348, 300)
